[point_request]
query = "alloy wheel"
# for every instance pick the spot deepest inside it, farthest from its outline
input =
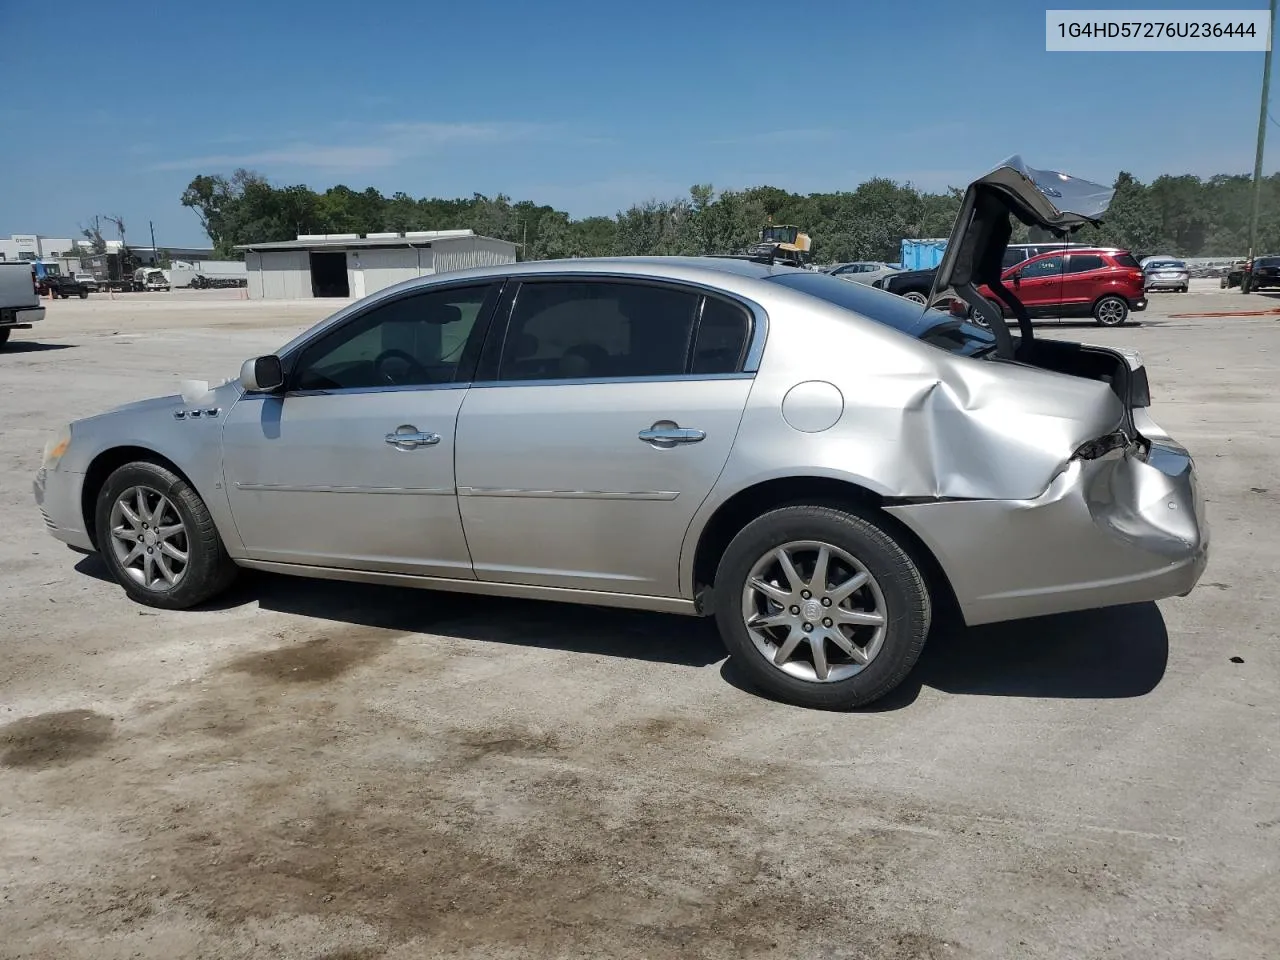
(1111, 312)
(149, 538)
(814, 611)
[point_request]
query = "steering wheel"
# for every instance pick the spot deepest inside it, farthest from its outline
(415, 366)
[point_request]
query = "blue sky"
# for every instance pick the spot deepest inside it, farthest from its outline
(586, 106)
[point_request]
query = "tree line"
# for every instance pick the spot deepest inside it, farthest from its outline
(1181, 215)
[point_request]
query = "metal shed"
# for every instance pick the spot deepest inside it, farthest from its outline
(347, 265)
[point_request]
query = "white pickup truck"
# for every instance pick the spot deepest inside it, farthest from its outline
(19, 302)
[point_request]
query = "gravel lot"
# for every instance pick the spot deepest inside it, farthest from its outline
(317, 770)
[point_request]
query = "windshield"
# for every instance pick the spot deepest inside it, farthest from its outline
(932, 326)
(779, 234)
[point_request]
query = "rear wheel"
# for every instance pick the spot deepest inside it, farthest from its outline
(821, 606)
(1110, 311)
(158, 539)
(84, 294)
(4, 335)
(915, 297)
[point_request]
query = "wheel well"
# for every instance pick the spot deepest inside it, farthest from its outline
(744, 506)
(103, 465)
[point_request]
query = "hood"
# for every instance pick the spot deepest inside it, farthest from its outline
(190, 392)
(974, 255)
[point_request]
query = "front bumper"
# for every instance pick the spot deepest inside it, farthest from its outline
(57, 494)
(1110, 531)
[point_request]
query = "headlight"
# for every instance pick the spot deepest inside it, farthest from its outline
(55, 448)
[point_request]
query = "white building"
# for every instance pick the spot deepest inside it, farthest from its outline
(32, 246)
(348, 265)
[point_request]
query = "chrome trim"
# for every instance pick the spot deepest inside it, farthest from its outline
(569, 494)
(323, 488)
(587, 381)
(343, 391)
(598, 598)
(408, 437)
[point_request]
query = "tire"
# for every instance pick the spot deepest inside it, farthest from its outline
(207, 571)
(84, 294)
(4, 335)
(915, 297)
(894, 588)
(1111, 311)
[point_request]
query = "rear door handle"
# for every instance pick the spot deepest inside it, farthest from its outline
(667, 433)
(408, 437)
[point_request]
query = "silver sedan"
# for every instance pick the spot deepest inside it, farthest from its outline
(820, 466)
(1167, 274)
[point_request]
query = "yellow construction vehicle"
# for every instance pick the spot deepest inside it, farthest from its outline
(784, 243)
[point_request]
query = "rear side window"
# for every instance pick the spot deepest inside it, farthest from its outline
(1124, 259)
(721, 342)
(1081, 262)
(565, 330)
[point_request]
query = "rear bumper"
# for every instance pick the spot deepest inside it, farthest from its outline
(20, 317)
(1110, 531)
(57, 494)
(1168, 283)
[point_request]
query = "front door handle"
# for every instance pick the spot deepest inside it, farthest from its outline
(408, 437)
(668, 433)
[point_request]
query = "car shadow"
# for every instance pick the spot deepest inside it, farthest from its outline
(32, 346)
(1109, 653)
(605, 631)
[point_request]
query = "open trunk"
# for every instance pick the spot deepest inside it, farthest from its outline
(975, 256)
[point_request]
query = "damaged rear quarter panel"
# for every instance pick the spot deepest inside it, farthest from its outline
(917, 421)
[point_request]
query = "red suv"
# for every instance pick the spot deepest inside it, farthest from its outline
(1105, 283)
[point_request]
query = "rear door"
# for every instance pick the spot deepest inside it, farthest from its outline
(609, 412)
(1086, 275)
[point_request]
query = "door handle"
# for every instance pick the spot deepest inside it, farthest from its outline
(667, 433)
(408, 437)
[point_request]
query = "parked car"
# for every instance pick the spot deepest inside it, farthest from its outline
(820, 466)
(1234, 275)
(1261, 273)
(88, 281)
(1162, 273)
(1105, 283)
(61, 287)
(863, 271)
(19, 298)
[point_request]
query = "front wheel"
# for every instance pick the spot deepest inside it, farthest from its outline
(158, 539)
(915, 297)
(1110, 311)
(821, 606)
(84, 294)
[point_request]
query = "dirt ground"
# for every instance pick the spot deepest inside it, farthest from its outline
(323, 771)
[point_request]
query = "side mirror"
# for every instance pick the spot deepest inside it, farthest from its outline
(262, 374)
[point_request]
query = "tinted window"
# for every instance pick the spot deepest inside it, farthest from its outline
(1013, 256)
(1125, 259)
(723, 334)
(592, 329)
(1268, 261)
(1047, 267)
(413, 341)
(1080, 262)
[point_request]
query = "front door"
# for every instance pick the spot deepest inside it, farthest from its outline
(613, 408)
(1040, 285)
(353, 465)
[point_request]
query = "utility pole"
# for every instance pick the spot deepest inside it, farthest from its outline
(155, 254)
(1262, 133)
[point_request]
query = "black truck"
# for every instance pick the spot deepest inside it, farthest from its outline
(61, 287)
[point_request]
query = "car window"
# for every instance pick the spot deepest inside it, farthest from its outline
(1125, 259)
(416, 340)
(1013, 256)
(720, 344)
(592, 329)
(1047, 267)
(1081, 262)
